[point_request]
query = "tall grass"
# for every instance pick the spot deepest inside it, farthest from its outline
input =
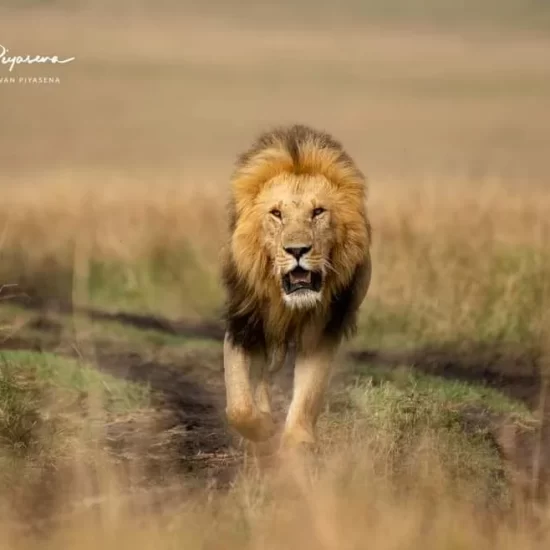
(466, 261)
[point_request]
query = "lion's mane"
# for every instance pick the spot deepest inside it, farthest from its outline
(255, 312)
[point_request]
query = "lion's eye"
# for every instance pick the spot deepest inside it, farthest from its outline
(276, 212)
(317, 212)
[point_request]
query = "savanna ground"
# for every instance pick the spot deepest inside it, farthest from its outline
(113, 186)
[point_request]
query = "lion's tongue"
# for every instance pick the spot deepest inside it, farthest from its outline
(302, 277)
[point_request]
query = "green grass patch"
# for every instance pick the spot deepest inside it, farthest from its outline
(53, 411)
(169, 282)
(378, 384)
(166, 280)
(49, 371)
(409, 421)
(47, 409)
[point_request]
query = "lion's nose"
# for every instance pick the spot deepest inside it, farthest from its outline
(297, 251)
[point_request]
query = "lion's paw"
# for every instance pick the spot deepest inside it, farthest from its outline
(253, 425)
(298, 439)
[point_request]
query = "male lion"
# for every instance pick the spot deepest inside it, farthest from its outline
(295, 270)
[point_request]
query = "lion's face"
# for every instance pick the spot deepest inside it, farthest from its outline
(298, 236)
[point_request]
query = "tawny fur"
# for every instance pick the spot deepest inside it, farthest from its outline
(294, 169)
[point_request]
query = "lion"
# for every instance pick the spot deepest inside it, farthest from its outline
(295, 270)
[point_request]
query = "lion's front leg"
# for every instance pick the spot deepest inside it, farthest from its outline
(247, 393)
(311, 377)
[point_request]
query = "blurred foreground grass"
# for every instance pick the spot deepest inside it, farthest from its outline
(394, 444)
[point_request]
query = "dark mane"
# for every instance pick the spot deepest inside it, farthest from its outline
(245, 328)
(292, 139)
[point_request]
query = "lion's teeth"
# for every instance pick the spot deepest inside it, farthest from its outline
(301, 277)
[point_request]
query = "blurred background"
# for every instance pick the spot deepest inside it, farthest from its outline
(414, 89)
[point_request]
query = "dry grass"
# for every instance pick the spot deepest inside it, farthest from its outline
(133, 247)
(461, 261)
(350, 500)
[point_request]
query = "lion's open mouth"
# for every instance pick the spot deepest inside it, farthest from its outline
(302, 279)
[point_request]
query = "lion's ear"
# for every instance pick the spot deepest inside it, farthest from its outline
(343, 308)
